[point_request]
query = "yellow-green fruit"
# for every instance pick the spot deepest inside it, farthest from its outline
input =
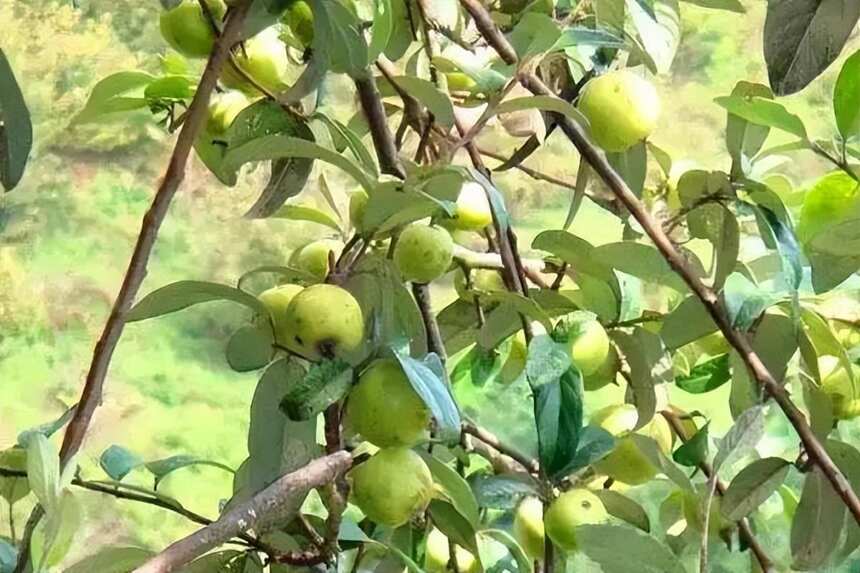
(831, 200)
(472, 212)
(572, 508)
(622, 109)
(357, 207)
(223, 110)
(187, 29)
(437, 555)
(589, 344)
(324, 321)
(300, 19)
(836, 383)
(460, 82)
(627, 463)
(277, 300)
(385, 409)
(528, 527)
(515, 362)
(603, 375)
(313, 258)
(483, 280)
(423, 253)
(264, 59)
(847, 335)
(392, 486)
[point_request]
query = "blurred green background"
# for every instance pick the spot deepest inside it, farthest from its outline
(66, 234)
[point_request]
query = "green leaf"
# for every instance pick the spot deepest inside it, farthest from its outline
(655, 455)
(109, 96)
(787, 246)
(16, 130)
(52, 539)
(594, 444)
(550, 104)
(281, 146)
(455, 527)
(430, 97)
(250, 348)
(695, 450)
(688, 322)
(622, 507)
(745, 139)
(383, 24)
(166, 466)
(802, 38)
(182, 294)
(170, 89)
(650, 364)
(846, 97)
(454, 488)
(401, 32)
(112, 560)
(501, 491)
(762, 111)
(524, 564)
(558, 415)
(642, 261)
(337, 34)
(659, 32)
(728, 5)
(13, 489)
(8, 557)
(622, 549)
(304, 213)
(741, 438)
(323, 385)
(582, 36)
(817, 524)
(631, 165)
(43, 471)
(427, 379)
(707, 376)
(720, 227)
(339, 131)
(752, 486)
(534, 34)
(117, 462)
(47, 429)
(745, 301)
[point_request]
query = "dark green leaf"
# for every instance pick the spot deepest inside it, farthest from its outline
(337, 34)
(324, 384)
(650, 364)
(183, 294)
(706, 376)
(427, 381)
(744, 139)
(846, 97)
(534, 34)
(695, 450)
(594, 444)
(383, 24)
(745, 301)
(688, 322)
(558, 414)
(455, 489)
(16, 130)
(250, 348)
(455, 527)
(622, 549)
(632, 165)
(752, 486)
(524, 564)
(501, 491)
(624, 508)
(787, 246)
(547, 361)
(762, 111)
(817, 524)
(642, 261)
(117, 462)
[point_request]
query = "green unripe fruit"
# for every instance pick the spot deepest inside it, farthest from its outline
(570, 510)
(313, 258)
(460, 82)
(300, 19)
(472, 212)
(529, 527)
(622, 109)
(187, 30)
(324, 321)
(589, 343)
(423, 253)
(627, 463)
(277, 300)
(437, 555)
(392, 486)
(837, 384)
(264, 59)
(223, 110)
(483, 280)
(605, 374)
(385, 409)
(357, 206)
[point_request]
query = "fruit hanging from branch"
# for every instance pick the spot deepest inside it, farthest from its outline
(187, 28)
(423, 253)
(622, 108)
(324, 321)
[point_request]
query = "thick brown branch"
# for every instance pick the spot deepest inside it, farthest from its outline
(377, 121)
(746, 534)
(712, 303)
(244, 517)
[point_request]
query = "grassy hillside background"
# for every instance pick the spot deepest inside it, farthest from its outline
(67, 231)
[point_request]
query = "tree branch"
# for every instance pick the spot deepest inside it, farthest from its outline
(248, 515)
(531, 465)
(383, 142)
(421, 292)
(711, 301)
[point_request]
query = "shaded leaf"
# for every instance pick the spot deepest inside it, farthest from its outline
(695, 450)
(558, 415)
(182, 294)
(524, 564)
(324, 384)
(641, 552)
(752, 486)
(622, 507)
(118, 462)
(741, 438)
(426, 377)
(762, 111)
(16, 129)
(250, 348)
(429, 95)
(501, 491)
(706, 376)
(455, 488)
(112, 560)
(817, 523)
(846, 97)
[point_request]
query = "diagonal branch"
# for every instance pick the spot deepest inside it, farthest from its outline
(814, 448)
(247, 516)
(383, 142)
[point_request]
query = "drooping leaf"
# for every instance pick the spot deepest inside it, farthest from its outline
(426, 377)
(43, 471)
(594, 444)
(182, 294)
(455, 489)
(642, 261)
(383, 24)
(622, 507)
(558, 414)
(817, 523)
(741, 438)
(524, 564)
(351, 140)
(632, 165)
(745, 301)
(118, 462)
(743, 138)
(659, 31)
(324, 384)
(623, 549)
(430, 97)
(337, 33)
(501, 491)
(720, 227)
(534, 34)
(689, 321)
(752, 486)
(650, 365)
(456, 527)
(16, 129)
(651, 450)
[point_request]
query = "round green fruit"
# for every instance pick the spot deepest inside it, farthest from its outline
(472, 212)
(357, 206)
(264, 59)
(589, 343)
(300, 19)
(622, 109)
(187, 30)
(529, 527)
(223, 110)
(313, 258)
(423, 253)
(483, 280)
(460, 82)
(437, 555)
(385, 409)
(392, 486)
(324, 321)
(570, 510)
(277, 300)
(605, 374)
(843, 391)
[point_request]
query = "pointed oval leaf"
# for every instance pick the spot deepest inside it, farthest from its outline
(16, 129)
(752, 486)
(183, 294)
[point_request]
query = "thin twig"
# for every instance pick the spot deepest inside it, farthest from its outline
(383, 142)
(677, 262)
(421, 292)
(531, 465)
